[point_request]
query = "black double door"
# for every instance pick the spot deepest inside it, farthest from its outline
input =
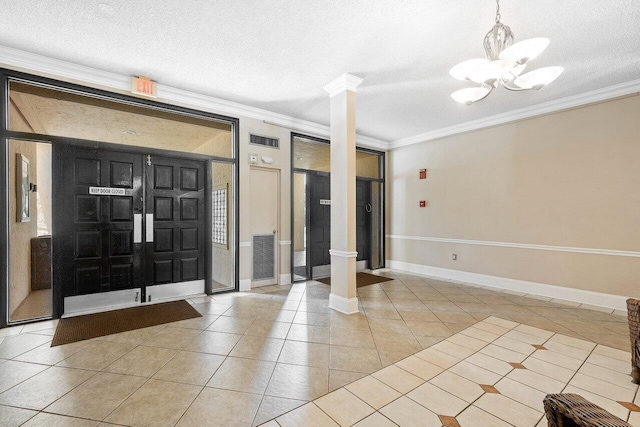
(126, 221)
(319, 203)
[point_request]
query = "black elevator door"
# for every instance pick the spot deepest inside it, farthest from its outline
(95, 198)
(175, 198)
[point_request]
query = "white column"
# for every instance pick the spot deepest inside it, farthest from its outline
(342, 93)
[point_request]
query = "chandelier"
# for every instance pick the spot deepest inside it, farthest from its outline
(503, 65)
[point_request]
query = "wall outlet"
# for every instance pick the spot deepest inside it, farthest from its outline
(454, 256)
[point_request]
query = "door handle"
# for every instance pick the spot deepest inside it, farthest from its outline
(137, 228)
(149, 225)
(368, 208)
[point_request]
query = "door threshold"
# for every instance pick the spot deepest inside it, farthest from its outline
(129, 305)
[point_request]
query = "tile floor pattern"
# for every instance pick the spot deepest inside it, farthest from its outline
(255, 356)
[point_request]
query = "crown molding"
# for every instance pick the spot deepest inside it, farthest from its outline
(344, 82)
(20, 60)
(598, 95)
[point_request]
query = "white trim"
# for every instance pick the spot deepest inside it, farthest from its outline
(173, 290)
(598, 95)
(285, 242)
(30, 62)
(245, 285)
(599, 299)
(245, 244)
(343, 254)
(285, 279)
(593, 251)
(343, 83)
(342, 304)
(102, 301)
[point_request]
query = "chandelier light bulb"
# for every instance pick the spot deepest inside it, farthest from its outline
(503, 65)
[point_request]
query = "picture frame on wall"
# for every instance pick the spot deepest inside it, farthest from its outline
(23, 206)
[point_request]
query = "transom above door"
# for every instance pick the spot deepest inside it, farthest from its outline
(128, 227)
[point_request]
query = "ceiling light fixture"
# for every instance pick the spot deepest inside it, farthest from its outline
(503, 65)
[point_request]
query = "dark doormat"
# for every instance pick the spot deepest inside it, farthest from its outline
(362, 279)
(89, 326)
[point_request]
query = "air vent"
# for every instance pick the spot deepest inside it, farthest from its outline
(264, 141)
(263, 257)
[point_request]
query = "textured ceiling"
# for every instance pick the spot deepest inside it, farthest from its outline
(277, 55)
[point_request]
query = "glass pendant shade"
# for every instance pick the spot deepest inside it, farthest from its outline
(491, 72)
(539, 78)
(470, 95)
(525, 50)
(463, 69)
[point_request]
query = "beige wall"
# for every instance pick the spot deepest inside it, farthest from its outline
(568, 179)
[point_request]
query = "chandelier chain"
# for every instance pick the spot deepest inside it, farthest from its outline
(497, 11)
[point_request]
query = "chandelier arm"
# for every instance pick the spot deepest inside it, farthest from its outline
(490, 87)
(514, 88)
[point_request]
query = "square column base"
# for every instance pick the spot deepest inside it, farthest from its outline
(342, 304)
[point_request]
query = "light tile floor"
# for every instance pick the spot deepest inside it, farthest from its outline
(255, 356)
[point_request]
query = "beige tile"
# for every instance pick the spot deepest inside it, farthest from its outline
(97, 355)
(245, 375)
(309, 333)
(15, 345)
(272, 407)
(475, 373)
(176, 338)
(396, 342)
(492, 328)
(303, 353)
(557, 359)
(343, 407)
(476, 417)
(501, 322)
(524, 337)
(231, 325)
(269, 329)
(213, 343)
(489, 363)
(47, 355)
(352, 338)
(514, 345)
(480, 334)
(316, 319)
(339, 379)
(458, 386)
(12, 373)
(610, 363)
(142, 361)
(536, 380)
(11, 417)
(375, 420)
(603, 388)
(427, 342)
(419, 367)
(199, 323)
(97, 397)
(298, 382)
(407, 413)
(156, 403)
(222, 408)
(373, 392)
(190, 368)
(44, 388)
(308, 415)
(424, 315)
(432, 328)
(389, 326)
(354, 359)
(212, 308)
(261, 348)
(438, 358)
(609, 405)
(437, 400)
(453, 349)
(521, 393)
(11, 331)
(136, 336)
(509, 410)
(613, 353)
(573, 342)
(549, 369)
(567, 350)
(634, 418)
(53, 420)
(467, 341)
(503, 354)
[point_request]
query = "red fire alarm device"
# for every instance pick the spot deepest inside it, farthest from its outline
(423, 203)
(423, 174)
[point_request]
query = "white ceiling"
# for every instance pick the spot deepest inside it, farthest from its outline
(277, 55)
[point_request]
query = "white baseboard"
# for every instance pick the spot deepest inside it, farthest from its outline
(342, 304)
(285, 279)
(173, 290)
(245, 285)
(599, 299)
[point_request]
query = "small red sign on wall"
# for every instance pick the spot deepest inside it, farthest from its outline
(423, 174)
(423, 203)
(144, 86)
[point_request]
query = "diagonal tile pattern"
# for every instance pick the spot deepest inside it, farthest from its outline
(422, 351)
